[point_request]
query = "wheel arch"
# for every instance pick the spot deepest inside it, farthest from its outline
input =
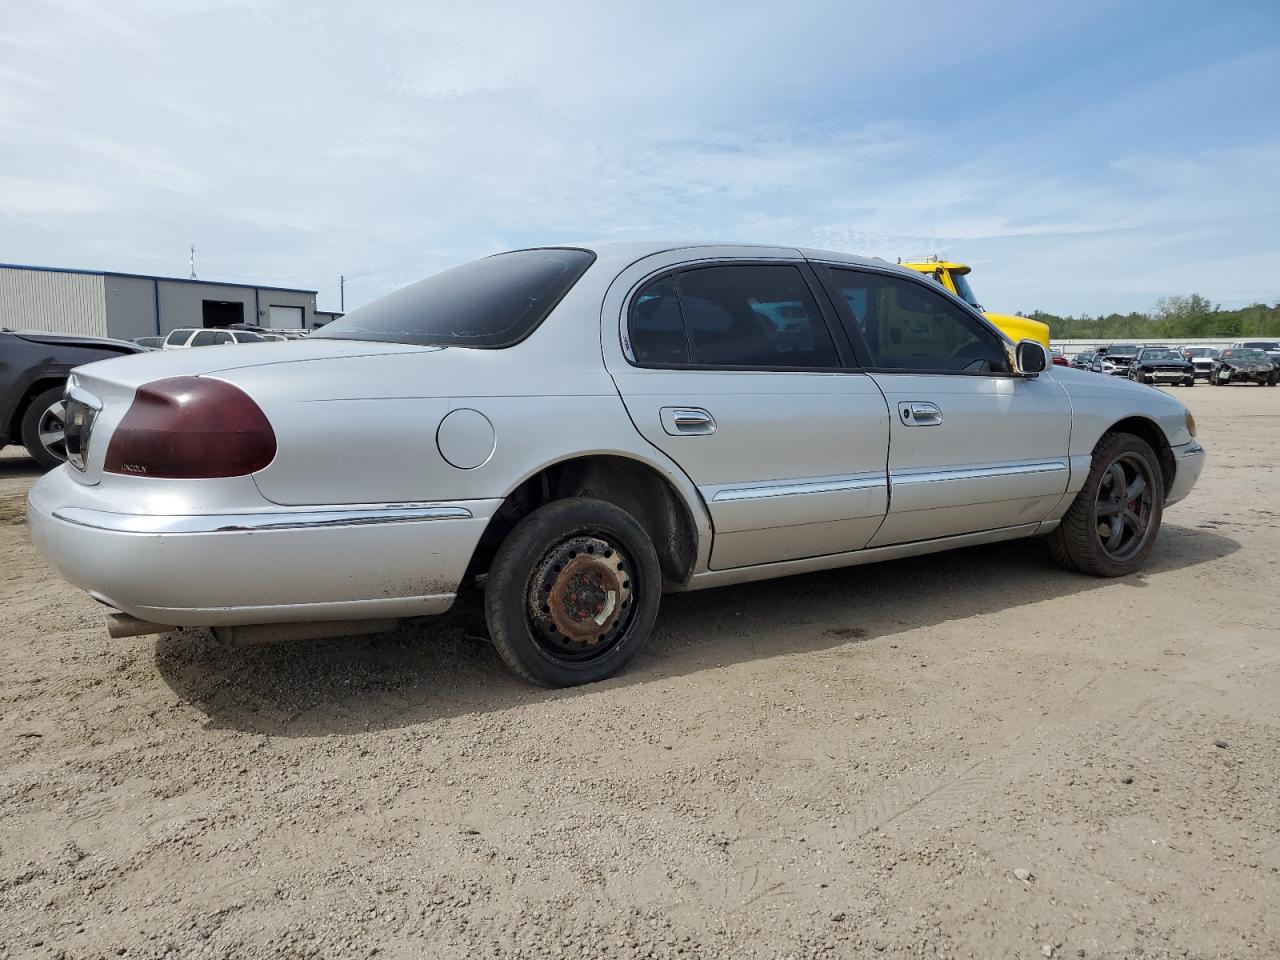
(1150, 431)
(675, 520)
(32, 390)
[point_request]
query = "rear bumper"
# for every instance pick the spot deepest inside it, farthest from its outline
(1189, 460)
(269, 565)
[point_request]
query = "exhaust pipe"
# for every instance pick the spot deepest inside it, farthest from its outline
(121, 625)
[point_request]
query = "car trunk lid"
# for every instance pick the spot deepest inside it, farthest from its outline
(103, 391)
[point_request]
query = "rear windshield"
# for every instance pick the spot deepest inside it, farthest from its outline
(493, 302)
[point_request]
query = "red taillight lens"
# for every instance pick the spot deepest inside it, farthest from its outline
(191, 427)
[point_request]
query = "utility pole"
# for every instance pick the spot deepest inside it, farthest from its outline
(193, 262)
(342, 293)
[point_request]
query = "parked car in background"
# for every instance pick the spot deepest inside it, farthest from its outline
(1243, 365)
(1081, 361)
(1270, 347)
(1162, 365)
(149, 343)
(33, 374)
(204, 490)
(1201, 358)
(185, 337)
(1117, 359)
(1058, 357)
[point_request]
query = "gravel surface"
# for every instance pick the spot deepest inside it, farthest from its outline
(968, 755)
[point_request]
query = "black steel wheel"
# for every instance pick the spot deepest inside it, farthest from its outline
(44, 432)
(579, 599)
(573, 592)
(1112, 525)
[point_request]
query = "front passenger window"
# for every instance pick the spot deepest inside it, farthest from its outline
(907, 326)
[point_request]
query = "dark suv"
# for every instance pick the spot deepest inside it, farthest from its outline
(33, 374)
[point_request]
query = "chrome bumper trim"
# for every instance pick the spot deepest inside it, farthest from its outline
(250, 522)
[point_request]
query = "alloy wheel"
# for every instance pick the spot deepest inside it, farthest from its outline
(1124, 506)
(52, 431)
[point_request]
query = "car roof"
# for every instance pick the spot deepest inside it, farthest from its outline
(620, 254)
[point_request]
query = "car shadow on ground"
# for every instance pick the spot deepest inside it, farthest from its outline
(19, 467)
(441, 667)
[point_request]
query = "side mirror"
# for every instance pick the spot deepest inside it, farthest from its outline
(1031, 357)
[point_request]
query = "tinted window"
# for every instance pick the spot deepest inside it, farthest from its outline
(748, 315)
(204, 338)
(493, 302)
(177, 336)
(909, 327)
(657, 325)
(248, 336)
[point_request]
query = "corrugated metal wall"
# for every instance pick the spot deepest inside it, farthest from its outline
(181, 303)
(57, 302)
(131, 307)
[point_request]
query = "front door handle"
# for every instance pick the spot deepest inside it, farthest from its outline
(919, 413)
(687, 421)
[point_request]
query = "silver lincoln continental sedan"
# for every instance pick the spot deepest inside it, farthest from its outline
(570, 432)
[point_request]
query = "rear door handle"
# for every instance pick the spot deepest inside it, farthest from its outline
(919, 413)
(687, 421)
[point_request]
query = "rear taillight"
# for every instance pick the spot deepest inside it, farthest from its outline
(191, 427)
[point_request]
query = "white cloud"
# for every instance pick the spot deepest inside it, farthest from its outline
(383, 141)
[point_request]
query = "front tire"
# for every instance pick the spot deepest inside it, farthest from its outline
(1112, 525)
(43, 430)
(573, 593)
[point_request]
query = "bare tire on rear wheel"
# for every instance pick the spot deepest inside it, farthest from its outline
(573, 592)
(1112, 525)
(43, 430)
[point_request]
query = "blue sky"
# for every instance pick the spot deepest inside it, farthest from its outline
(1082, 159)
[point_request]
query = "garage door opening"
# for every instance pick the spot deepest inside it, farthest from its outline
(222, 313)
(285, 318)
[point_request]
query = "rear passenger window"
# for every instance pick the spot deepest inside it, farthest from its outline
(746, 315)
(657, 327)
(203, 339)
(177, 336)
(907, 326)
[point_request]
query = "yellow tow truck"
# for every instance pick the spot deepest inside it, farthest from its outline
(955, 277)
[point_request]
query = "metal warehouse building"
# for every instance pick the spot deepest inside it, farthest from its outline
(127, 305)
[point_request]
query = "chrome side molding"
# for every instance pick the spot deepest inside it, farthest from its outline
(979, 473)
(799, 487)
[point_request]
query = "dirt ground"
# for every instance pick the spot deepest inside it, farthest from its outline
(968, 755)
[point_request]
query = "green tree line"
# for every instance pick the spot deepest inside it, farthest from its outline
(1173, 317)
